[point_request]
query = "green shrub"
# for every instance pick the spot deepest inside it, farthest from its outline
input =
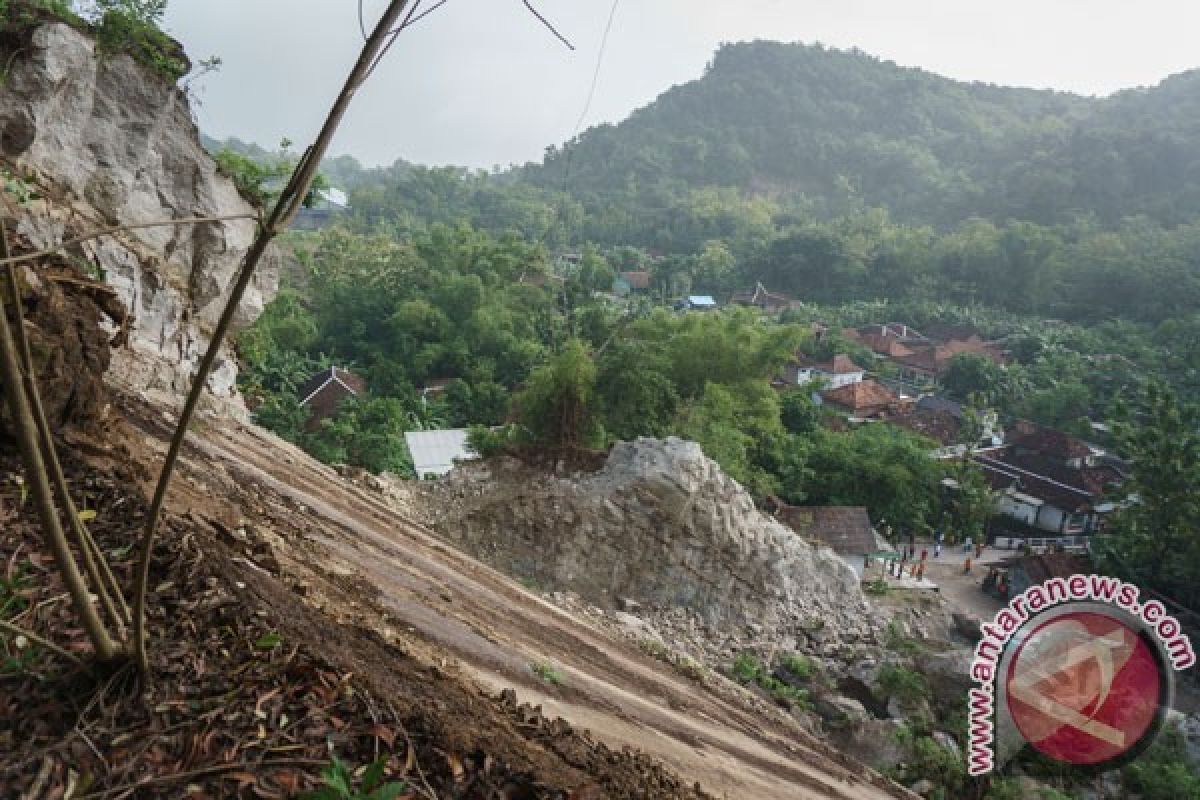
(339, 783)
(546, 671)
(897, 641)
(800, 666)
(1163, 771)
(133, 27)
(747, 669)
(877, 587)
(907, 686)
(930, 761)
(489, 442)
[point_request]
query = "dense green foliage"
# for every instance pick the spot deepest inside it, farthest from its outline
(1155, 540)
(134, 27)
(1164, 771)
(836, 177)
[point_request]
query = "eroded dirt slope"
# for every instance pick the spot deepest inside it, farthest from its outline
(343, 550)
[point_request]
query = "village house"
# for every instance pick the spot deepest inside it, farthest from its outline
(846, 530)
(943, 420)
(326, 207)
(927, 364)
(637, 282)
(540, 278)
(434, 453)
(865, 399)
(836, 372)
(324, 392)
(1049, 486)
(890, 340)
(762, 299)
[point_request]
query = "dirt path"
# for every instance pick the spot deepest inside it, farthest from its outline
(463, 616)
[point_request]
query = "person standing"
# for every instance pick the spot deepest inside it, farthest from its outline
(937, 548)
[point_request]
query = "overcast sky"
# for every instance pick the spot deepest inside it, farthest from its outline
(481, 83)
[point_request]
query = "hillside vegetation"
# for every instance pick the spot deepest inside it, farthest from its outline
(835, 130)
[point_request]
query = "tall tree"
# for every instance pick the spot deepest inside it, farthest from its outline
(1155, 536)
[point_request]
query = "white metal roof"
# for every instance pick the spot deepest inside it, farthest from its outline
(434, 452)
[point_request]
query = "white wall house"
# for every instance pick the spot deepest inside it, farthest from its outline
(839, 371)
(434, 453)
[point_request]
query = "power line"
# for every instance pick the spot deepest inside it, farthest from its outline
(549, 27)
(587, 106)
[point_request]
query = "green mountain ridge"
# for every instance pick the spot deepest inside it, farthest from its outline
(833, 131)
(822, 133)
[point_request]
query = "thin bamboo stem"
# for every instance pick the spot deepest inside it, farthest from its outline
(94, 564)
(285, 209)
(27, 440)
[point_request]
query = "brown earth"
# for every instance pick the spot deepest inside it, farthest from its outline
(356, 559)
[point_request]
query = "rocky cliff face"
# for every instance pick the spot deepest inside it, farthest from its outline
(660, 525)
(106, 142)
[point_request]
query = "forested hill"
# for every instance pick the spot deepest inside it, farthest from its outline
(840, 130)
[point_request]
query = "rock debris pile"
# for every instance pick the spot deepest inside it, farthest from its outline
(659, 530)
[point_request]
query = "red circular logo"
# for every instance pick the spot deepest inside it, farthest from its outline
(1085, 688)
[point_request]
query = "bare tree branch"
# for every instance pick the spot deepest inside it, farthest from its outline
(281, 215)
(15, 631)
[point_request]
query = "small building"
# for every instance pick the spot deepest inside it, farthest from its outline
(865, 400)
(434, 453)
(762, 299)
(541, 278)
(891, 340)
(931, 361)
(701, 302)
(940, 426)
(635, 282)
(434, 389)
(324, 393)
(836, 372)
(1050, 487)
(942, 420)
(846, 530)
(327, 206)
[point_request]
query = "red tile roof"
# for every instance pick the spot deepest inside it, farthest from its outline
(841, 364)
(941, 426)
(1049, 442)
(637, 280)
(862, 396)
(935, 359)
(1048, 479)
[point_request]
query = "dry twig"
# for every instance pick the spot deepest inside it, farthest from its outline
(285, 209)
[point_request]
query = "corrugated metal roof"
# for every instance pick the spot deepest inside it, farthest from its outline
(434, 452)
